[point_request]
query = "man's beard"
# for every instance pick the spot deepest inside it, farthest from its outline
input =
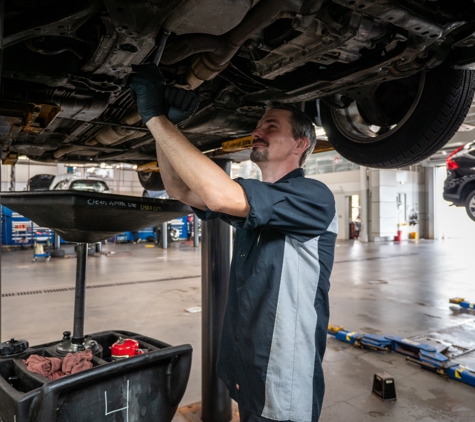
(259, 156)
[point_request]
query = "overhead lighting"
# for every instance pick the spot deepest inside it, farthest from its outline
(319, 131)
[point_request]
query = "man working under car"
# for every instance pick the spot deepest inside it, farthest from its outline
(276, 318)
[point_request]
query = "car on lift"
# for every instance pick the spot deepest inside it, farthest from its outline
(72, 181)
(459, 186)
(390, 81)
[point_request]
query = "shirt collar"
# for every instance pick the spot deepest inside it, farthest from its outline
(298, 172)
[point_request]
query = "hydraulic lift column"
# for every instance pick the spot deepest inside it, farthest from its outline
(216, 257)
(2, 14)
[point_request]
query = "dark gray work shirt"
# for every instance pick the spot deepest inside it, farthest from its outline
(276, 318)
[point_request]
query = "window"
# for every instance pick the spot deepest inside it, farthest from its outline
(328, 162)
(62, 185)
(89, 185)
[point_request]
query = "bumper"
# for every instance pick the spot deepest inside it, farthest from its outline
(453, 197)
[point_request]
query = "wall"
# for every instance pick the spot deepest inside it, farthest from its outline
(124, 181)
(378, 190)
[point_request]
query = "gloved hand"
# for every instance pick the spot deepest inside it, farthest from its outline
(182, 103)
(148, 90)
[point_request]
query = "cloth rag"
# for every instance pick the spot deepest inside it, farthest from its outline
(54, 368)
(77, 362)
(43, 366)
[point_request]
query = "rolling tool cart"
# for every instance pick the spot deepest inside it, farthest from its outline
(41, 244)
(143, 379)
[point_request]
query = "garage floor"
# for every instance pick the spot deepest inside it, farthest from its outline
(385, 288)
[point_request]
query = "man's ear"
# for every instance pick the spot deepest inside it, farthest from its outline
(301, 145)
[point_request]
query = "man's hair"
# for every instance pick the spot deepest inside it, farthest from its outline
(302, 126)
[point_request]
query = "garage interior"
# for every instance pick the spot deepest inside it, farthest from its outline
(382, 284)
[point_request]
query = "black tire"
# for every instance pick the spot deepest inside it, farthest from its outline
(58, 253)
(151, 180)
(470, 205)
(435, 111)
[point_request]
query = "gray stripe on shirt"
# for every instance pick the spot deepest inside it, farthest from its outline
(290, 370)
(333, 227)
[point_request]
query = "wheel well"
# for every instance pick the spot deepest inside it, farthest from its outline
(469, 187)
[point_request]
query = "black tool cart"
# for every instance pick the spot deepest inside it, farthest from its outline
(146, 387)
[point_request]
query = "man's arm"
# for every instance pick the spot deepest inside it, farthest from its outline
(174, 185)
(206, 180)
(184, 164)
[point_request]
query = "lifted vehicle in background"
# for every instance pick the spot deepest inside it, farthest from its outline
(71, 181)
(459, 186)
(389, 80)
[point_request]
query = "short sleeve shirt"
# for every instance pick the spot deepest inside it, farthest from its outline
(276, 318)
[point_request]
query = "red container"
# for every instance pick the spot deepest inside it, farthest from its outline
(125, 348)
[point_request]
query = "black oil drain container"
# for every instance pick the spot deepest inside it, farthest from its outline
(146, 387)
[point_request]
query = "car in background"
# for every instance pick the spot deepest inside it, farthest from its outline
(75, 182)
(459, 186)
(40, 182)
(389, 81)
(158, 194)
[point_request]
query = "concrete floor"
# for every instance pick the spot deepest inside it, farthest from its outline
(386, 288)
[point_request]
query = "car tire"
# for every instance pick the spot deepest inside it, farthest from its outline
(470, 205)
(438, 103)
(151, 180)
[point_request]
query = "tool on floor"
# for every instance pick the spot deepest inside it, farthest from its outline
(423, 354)
(462, 302)
(384, 387)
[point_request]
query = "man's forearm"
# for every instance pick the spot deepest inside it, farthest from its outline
(174, 185)
(206, 179)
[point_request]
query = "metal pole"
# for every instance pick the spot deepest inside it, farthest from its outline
(196, 231)
(57, 241)
(164, 235)
(80, 297)
(12, 178)
(216, 257)
(2, 14)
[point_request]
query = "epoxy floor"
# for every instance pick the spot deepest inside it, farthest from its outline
(383, 288)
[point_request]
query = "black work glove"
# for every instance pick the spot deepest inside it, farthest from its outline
(148, 90)
(182, 104)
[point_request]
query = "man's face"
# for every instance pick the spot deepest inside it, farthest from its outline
(273, 139)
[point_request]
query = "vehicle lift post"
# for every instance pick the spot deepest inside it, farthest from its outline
(216, 258)
(2, 14)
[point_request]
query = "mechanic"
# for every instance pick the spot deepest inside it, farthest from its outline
(276, 318)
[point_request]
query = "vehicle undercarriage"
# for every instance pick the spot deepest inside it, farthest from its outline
(390, 81)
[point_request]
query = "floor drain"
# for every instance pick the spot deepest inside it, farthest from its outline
(98, 286)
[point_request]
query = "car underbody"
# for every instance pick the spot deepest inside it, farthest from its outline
(356, 67)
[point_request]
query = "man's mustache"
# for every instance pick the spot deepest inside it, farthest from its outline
(261, 141)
